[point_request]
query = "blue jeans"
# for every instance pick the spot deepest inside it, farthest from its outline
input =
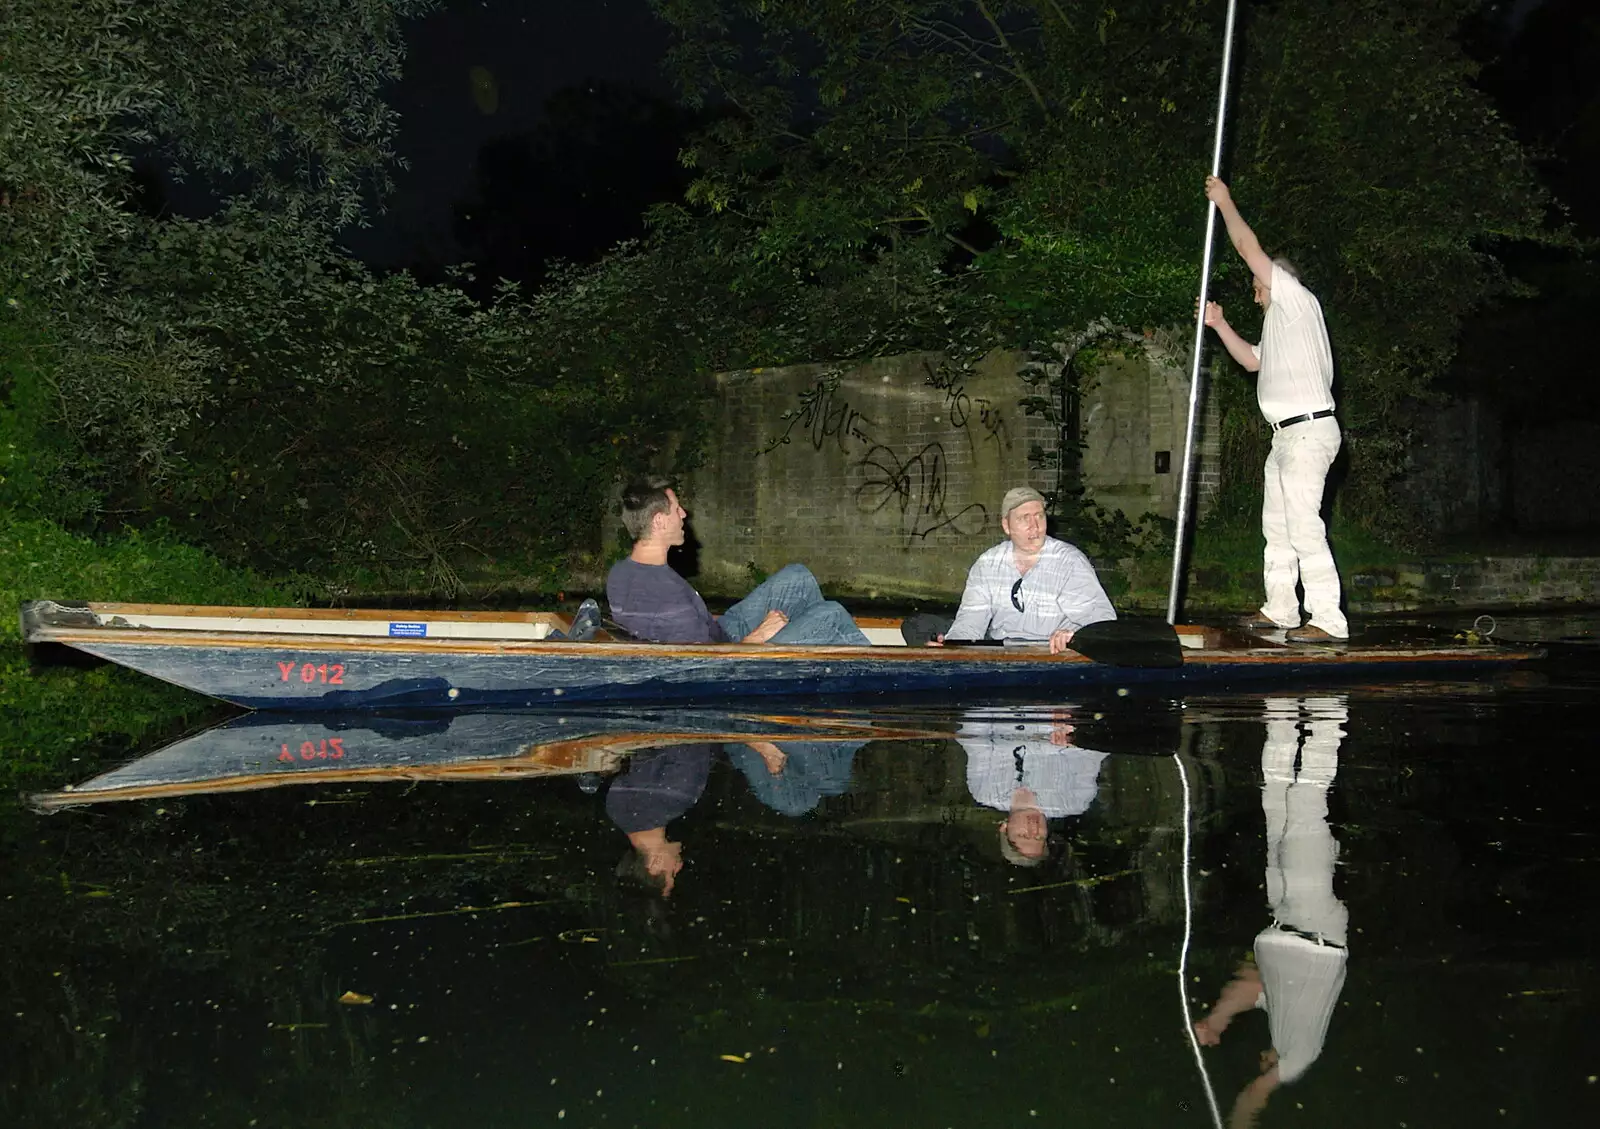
(793, 591)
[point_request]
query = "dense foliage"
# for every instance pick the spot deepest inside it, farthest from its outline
(237, 376)
(1048, 158)
(873, 177)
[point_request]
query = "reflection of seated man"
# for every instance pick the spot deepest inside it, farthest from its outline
(1029, 769)
(656, 787)
(792, 778)
(1029, 586)
(1300, 960)
(653, 602)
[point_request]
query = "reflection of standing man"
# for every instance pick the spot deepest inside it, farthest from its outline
(1029, 769)
(1301, 957)
(1295, 391)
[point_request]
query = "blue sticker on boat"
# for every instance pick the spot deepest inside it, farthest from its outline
(409, 630)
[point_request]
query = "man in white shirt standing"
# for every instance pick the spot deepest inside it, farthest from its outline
(1029, 586)
(1295, 392)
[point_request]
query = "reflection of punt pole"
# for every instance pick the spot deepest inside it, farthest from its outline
(1180, 533)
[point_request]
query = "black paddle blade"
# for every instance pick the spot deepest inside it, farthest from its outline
(1129, 642)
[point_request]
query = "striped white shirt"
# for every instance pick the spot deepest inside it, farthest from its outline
(1005, 755)
(1296, 374)
(1060, 593)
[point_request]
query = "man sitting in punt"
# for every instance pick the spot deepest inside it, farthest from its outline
(653, 602)
(1030, 586)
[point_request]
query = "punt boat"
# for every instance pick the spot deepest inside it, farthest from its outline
(334, 660)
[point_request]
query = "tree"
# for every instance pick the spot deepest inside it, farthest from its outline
(1050, 156)
(236, 376)
(273, 102)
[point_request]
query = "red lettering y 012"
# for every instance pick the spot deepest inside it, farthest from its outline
(331, 674)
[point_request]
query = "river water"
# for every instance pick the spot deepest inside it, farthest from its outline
(1396, 889)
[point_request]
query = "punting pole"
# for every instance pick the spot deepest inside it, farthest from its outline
(1184, 494)
(1183, 952)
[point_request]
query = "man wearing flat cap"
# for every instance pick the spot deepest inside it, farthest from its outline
(1029, 586)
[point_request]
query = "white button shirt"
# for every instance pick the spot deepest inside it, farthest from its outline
(1064, 779)
(1296, 374)
(1060, 593)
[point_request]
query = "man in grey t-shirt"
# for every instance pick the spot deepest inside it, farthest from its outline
(653, 602)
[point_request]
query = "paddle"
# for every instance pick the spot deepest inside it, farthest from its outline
(1139, 641)
(1135, 642)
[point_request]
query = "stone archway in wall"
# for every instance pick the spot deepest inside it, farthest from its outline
(1134, 413)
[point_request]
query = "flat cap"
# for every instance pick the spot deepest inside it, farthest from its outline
(1017, 496)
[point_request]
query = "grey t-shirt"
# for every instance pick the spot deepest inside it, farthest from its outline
(653, 602)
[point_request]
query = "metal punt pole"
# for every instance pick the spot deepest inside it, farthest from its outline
(1185, 500)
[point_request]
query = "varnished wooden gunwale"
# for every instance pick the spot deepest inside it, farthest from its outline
(211, 611)
(736, 652)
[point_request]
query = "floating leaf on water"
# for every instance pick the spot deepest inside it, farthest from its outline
(735, 1058)
(355, 998)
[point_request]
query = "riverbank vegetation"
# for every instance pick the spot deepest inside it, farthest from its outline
(58, 714)
(927, 178)
(867, 179)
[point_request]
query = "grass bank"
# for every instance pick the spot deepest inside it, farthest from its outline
(56, 716)
(1224, 566)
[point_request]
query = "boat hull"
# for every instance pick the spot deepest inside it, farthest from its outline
(330, 679)
(331, 661)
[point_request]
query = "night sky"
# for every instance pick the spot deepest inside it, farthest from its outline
(528, 50)
(480, 74)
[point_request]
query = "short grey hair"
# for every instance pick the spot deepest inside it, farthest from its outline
(1288, 268)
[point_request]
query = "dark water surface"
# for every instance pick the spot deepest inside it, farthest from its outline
(1413, 868)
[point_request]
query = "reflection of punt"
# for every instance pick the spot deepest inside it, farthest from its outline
(266, 750)
(330, 660)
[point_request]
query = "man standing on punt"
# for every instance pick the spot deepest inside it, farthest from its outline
(1295, 391)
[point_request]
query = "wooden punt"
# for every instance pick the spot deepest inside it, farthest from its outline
(333, 660)
(274, 750)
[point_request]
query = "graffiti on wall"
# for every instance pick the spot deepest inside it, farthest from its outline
(823, 415)
(916, 487)
(962, 408)
(913, 485)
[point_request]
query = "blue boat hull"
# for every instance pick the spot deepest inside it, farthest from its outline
(303, 677)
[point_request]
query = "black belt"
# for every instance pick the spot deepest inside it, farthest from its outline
(1292, 420)
(1314, 938)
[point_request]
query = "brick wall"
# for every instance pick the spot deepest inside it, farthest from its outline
(884, 476)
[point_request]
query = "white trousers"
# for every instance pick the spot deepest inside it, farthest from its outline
(1302, 972)
(1291, 521)
(1298, 762)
